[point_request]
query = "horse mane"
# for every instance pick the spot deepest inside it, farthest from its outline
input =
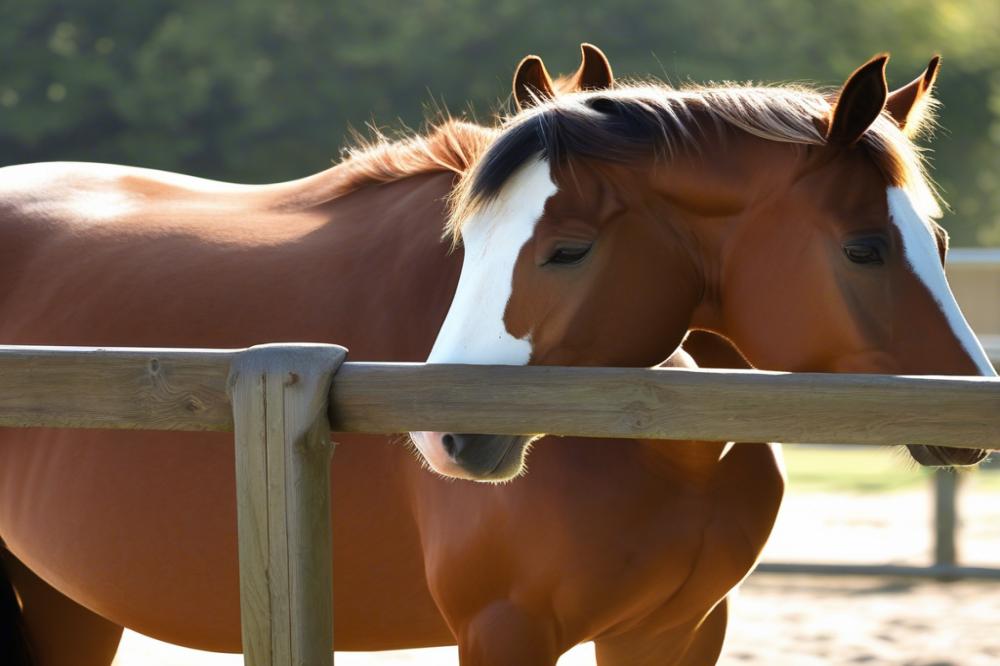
(654, 120)
(450, 145)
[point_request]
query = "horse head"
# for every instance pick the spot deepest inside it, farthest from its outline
(600, 227)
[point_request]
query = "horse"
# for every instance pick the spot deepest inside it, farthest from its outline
(599, 228)
(109, 529)
(633, 544)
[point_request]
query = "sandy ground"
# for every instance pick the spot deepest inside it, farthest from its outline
(806, 620)
(810, 621)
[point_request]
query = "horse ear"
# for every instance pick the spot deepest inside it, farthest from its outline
(532, 83)
(906, 105)
(860, 102)
(595, 70)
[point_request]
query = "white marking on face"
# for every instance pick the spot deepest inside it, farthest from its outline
(474, 331)
(921, 252)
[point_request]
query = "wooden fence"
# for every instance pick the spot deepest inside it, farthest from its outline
(974, 275)
(283, 400)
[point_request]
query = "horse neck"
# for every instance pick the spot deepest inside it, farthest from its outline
(691, 460)
(707, 340)
(694, 460)
(317, 189)
(720, 206)
(451, 146)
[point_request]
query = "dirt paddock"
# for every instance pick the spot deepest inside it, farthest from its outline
(776, 620)
(780, 620)
(813, 621)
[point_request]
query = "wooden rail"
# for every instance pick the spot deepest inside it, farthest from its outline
(283, 400)
(167, 389)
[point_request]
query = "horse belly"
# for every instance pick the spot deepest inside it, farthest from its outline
(141, 528)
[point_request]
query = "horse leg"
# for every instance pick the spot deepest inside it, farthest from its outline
(694, 644)
(59, 631)
(13, 640)
(708, 638)
(502, 634)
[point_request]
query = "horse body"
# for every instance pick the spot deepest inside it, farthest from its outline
(617, 565)
(140, 526)
(611, 540)
(598, 230)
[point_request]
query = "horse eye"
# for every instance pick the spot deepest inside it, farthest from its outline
(864, 253)
(567, 256)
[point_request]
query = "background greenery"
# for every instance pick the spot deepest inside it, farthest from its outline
(869, 469)
(260, 90)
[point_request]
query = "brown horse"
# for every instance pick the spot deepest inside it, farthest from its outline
(599, 228)
(106, 529)
(632, 544)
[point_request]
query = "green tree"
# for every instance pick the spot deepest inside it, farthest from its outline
(256, 90)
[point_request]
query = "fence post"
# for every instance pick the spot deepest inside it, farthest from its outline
(280, 396)
(945, 519)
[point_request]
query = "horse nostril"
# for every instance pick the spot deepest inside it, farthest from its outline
(450, 445)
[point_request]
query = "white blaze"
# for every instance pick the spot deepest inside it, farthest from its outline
(474, 330)
(921, 252)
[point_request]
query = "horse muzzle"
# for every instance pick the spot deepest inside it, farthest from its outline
(943, 456)
(476, 457)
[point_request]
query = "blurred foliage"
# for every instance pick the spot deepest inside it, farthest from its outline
(258, 90)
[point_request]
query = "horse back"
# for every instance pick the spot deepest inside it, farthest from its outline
(109, 255)
(56, 217)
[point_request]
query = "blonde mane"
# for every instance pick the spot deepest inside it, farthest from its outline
(652, 119)
(449, 146)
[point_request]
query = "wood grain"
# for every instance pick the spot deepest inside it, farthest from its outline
(120, 389)
(280, 395)
(82, 387)
(714, 405)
